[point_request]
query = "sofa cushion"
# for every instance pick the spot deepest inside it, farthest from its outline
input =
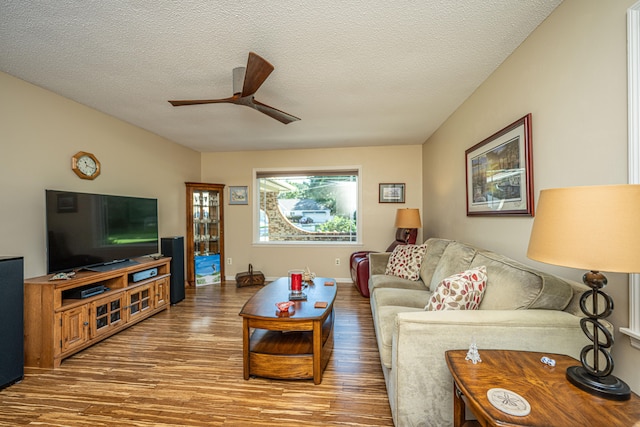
(405, 261)
(412, 298)
(435, 249)
(456, 257)
(383, 281)
(385, 321)
(461, 291)
(515, 286)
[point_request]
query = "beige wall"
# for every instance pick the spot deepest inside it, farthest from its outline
(571, 75)
(40, 132)
(398, 164)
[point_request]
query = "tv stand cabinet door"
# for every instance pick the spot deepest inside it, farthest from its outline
(140, 301)
(162, 292)
(107, 314)
(74, 328)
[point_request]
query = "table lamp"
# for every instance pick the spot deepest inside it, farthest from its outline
(407, 224)
(596, 228)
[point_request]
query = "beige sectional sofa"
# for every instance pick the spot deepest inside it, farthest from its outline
(522, 309)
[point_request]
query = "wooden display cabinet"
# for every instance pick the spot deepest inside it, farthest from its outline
(58, 324)
(205, 225)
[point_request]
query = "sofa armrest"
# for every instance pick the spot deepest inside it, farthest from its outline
(378, 262)
(420, 385)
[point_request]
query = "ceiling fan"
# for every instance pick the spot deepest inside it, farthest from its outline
(246, 81)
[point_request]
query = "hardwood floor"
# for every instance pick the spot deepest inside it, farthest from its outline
(183, 367)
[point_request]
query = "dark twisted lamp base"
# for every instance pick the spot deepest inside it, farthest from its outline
(609, 387)
(594, 379)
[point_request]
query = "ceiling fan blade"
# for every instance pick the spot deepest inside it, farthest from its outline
(258, 69)
(232, 100)
(279, 115)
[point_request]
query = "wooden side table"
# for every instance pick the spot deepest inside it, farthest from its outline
(554, 401)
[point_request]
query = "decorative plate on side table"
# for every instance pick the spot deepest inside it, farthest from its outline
(509, 402)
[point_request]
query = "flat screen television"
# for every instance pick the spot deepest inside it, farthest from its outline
(97, 231)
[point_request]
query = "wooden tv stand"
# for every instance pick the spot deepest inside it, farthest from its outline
(59, 324)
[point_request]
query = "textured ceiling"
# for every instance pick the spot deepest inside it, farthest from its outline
(358, 73)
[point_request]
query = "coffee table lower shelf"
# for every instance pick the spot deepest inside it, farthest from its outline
(289, 355)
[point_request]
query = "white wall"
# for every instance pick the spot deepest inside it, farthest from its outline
(571, 75)
(40, 132)
(397, 164)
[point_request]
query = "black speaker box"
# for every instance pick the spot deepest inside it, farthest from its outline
(11, 321)
(174, 247)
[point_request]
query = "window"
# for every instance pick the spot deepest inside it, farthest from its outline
(310, 206)
(633, 76)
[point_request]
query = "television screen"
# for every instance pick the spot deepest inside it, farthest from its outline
(92, 230)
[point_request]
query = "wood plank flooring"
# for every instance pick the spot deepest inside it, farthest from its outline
(183, 367)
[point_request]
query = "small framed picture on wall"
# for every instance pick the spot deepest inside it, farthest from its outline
(391, 193)
(239, 195)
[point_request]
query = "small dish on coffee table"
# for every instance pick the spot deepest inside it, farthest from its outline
(284, 305)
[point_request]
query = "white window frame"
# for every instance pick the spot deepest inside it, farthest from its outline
(315, 169)
(633, 82)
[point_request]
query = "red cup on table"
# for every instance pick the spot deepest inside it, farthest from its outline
(295, 281)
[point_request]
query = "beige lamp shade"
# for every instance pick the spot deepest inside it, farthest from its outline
(408, 218)
(592, 228)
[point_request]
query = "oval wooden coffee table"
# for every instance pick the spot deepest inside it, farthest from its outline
(292, 345)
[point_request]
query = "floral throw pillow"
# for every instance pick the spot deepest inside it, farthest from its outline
(405, 261)
(463, 291)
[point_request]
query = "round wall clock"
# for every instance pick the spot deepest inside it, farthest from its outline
(85, 165)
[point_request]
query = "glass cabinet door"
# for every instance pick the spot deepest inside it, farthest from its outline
(206, 222)
(107, 313)
(140, 300)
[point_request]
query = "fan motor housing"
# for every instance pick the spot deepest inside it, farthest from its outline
(238, 79)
